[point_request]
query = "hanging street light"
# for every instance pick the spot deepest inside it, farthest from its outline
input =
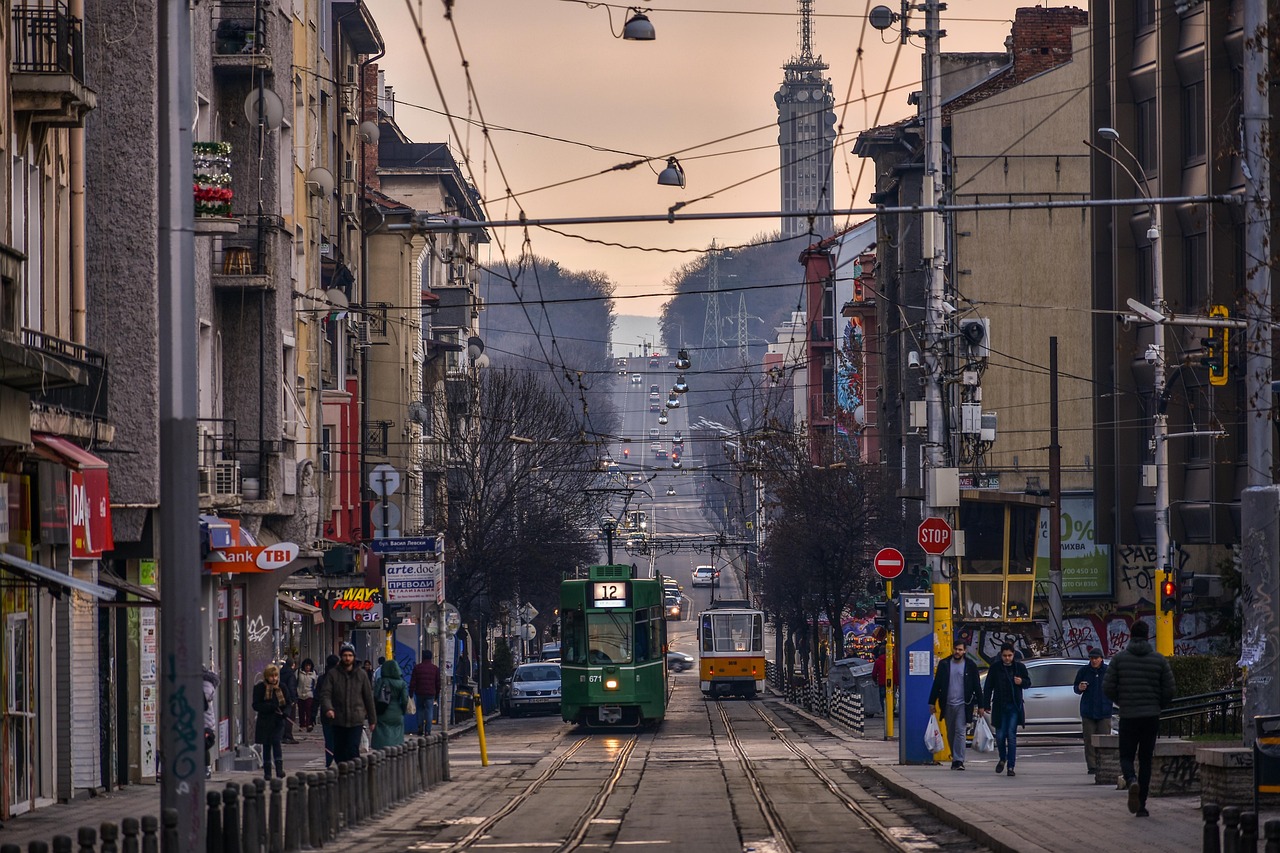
(673, 175)
(638, 27)
(681, 386)
(682, 360)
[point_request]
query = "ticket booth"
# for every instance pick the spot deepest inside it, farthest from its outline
(997, 573)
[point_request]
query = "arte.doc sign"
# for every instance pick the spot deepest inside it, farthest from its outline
(416, 581)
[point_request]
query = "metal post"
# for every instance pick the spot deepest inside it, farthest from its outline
(1055, 505)
(181, 635)
(1160, 438)
(1258, 151)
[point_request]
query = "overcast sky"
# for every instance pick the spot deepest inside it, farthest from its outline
(574, 101)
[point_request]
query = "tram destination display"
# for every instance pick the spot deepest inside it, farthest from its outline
(610, 594)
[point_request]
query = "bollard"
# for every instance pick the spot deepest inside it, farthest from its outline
(445, 775)
(87, 837)
(150, 834)
(1212, 842)
(38, 847)
(212, 824)
(343, 792)
(303, 810)
(231, 818)
(1272, 830)
(1230, 829)
(1249, 832)
(110, 834)
(130, 827)
(331, 801)
(293, 814)
(261, 785)
(275, 817)
(313, 832)
(248, 819)
(62, 844)
(10, 848)
(169, 831)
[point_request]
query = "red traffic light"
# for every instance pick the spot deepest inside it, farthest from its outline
(1168, 589)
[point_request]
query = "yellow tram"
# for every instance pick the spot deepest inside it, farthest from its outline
(731, 650)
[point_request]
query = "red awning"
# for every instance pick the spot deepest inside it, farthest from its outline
(90, 495)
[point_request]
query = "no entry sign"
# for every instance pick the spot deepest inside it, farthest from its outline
(889, 563)
(934, 535)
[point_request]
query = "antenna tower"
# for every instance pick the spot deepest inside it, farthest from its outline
(711, 322)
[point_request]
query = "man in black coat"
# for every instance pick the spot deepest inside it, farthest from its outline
(957, 689)
(1002, 698)
(1140, 682)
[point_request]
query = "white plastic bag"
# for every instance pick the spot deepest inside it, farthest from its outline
(364, 740)
(933, 735)
(983, 739)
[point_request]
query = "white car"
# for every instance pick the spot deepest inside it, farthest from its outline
(533, 687)
(705, 576)
(635, 379)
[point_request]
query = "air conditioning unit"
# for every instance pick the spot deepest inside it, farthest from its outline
(206, 477)
(206, 447)
(457, 272)
(226, 478)
(446, 255)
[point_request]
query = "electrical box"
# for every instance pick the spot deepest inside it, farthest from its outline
(919, 414)
(943, 486)
(988, 431)
(970, 418)
(1149, 476)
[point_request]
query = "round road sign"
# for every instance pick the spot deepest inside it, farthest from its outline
(934, 535)
(889, 563)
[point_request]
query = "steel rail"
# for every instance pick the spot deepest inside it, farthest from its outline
(579, 834)
(781, 837)
(886, 834)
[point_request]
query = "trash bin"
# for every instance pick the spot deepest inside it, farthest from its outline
(463, 704)
(854, 675)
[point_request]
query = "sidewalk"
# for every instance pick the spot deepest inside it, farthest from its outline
(144, 799)
(1051, 805)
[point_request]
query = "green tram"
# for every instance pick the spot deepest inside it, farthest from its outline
(613, 640)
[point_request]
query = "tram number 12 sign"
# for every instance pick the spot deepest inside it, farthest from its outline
(611, 594)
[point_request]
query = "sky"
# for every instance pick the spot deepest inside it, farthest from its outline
(565, 101)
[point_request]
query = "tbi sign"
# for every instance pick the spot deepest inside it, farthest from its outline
(934, 536)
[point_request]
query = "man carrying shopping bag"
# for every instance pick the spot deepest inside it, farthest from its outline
(957, 689)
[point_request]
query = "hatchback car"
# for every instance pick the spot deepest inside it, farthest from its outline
(705, 575)
(1051, 704)
(678, 438)
(653, 389)
(679, 661)
(635, 379)
(533, 687)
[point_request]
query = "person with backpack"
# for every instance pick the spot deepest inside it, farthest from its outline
(391, 699)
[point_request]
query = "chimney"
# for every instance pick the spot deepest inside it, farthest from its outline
(1041, 38)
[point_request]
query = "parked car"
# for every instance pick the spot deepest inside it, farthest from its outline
(532, 687)
(705, 576)
(1051, 704)
(679, 661)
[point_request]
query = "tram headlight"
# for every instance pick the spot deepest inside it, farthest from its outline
(611, 684)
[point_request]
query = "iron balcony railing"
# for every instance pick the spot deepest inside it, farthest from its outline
(87, 400)
(47, 40)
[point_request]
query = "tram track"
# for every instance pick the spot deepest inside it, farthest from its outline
(902, 839)
(582, 824)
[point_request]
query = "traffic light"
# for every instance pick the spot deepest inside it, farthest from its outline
(1169, 595)
(886, 614)
(1216, 356)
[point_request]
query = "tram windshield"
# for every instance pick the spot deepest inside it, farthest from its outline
(609, 638)
(733, 632)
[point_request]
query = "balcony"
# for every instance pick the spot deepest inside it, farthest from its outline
(211, 173)
(240, 43)
(247, 261)
(87, 401)
(47, 66)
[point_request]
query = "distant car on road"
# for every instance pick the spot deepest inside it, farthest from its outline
(533, 687)
(635, 379)
(679, 661)
(705, 576)
(673, 606)
(653, 362)
(678, 438)
(653, 389)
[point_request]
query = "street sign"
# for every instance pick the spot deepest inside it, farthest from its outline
(432, 546)
(889, 563)
(527, 614)
(934, 535)
(384, 480)
(413, 581)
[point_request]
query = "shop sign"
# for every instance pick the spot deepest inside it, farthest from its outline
(90, 514)
(418, 581)
(251, 558)
(357, 604)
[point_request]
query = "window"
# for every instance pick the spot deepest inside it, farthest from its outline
(1195, 273)
(1145, 128)
(983, 524)
(1144, 14)
(609, 639)
(573, 647)
(733, 632)
(1193, 122)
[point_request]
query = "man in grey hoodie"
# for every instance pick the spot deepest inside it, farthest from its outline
(1140, 682)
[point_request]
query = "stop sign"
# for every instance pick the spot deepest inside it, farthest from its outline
(934, 535)
(889, 563)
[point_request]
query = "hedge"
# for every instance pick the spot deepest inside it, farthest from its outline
(1196, 674)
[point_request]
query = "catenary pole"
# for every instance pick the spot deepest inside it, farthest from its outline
(181, 628)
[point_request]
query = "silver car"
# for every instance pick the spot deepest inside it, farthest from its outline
(1051, 704)
(533, 687)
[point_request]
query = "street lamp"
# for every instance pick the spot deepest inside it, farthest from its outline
(1155, 356)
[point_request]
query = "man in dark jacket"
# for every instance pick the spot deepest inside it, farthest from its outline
(1095, 707)
(425, 685)
(957, 689)
(346, 699)
(1002, 698)
(1140, 682)
(289, 684)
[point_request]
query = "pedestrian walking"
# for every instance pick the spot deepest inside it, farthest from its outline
(269, 703)
(307, 678)
(425, 685)
(326, 726)
(878, 672)
(391, 700)
(209, 687)
(957, 690)
(1095, 707)
(367, 667)
(346, 700)
(289, 684)
(1002, 699)
(1140, 682)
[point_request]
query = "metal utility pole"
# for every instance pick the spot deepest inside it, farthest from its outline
(1055, 504)
(181, 636)
(1260, 503)
(711, 320)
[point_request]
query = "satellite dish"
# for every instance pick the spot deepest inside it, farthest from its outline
(320, 182)
(370, 132)
(336, 298)
(272, 107)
